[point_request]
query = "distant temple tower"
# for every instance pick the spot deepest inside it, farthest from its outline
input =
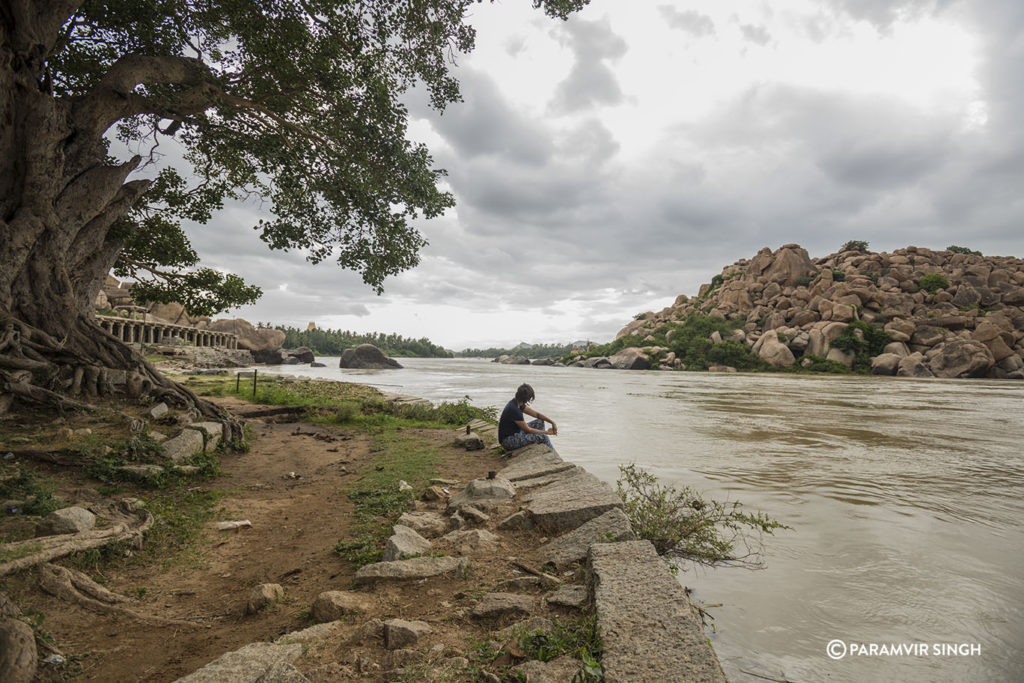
(310, 327)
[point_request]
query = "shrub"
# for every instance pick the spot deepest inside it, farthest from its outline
(962, 250)
(804, 280)
(933, 282)
(838, 276)
(855, 245)
(865, 346)
(683, 523)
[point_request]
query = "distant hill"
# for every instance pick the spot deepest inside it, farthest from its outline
(915, 311)
(520, 349)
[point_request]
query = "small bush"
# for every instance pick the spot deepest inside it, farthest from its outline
(962, 250)
(855, 245)
(865, 346)
(838, 276)
(804, 280)
(683, 523)
(933, 282)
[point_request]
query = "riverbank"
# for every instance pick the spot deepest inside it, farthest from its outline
(293, 474)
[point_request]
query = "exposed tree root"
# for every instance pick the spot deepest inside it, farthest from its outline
(28, 553)
(39, 369)
(75, 587)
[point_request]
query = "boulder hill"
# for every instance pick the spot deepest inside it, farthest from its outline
(948, 313)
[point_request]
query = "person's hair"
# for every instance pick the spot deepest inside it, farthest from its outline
(524, 393)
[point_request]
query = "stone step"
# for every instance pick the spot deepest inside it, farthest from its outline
(648, 628)
(572, 547)
(534, 461)
(411, 569)
(569, 503)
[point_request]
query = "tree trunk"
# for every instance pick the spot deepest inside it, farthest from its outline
(59, 196)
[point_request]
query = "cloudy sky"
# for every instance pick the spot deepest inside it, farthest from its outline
(604, 165)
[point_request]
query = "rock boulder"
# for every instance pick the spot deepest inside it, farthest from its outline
(367, 357)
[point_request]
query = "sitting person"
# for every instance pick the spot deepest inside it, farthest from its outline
(513, 430)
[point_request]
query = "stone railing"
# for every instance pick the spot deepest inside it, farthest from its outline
(132, 331)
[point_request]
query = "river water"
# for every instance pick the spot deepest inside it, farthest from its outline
(905, 498)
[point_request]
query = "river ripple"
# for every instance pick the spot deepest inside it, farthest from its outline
(904, 497)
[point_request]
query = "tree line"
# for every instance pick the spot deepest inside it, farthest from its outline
(334, 342)
(528, 350)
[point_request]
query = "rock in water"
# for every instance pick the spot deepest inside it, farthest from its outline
(366, 357)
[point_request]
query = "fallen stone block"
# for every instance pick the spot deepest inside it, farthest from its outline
(428, 524)
(158, 411)
(411, 569)
(213, 431)
(254, 662)
(524, 485)
(572, 546)
(500, 605)
(648, 628)
(484, 493)
(333, 605)
(556, 671)
(398, 632)
(570, 503)
(263, 595)
(184, 445)
(519, 521)
(405, 542)
(69, 520)
(472, 540)
(471, 514)
(533, 461)
(568, 596)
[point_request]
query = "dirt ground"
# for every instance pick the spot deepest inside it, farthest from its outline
(295, 524)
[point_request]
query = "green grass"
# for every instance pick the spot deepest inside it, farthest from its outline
(378, 502)
(36, 493)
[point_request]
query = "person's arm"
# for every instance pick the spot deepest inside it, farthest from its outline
(530, 411)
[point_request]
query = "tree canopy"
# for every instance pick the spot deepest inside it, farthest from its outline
(296, 102)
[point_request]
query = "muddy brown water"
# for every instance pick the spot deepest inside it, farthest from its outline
(905, 497)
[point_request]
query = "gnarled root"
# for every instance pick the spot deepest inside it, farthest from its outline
(28, 553)
(75, 587)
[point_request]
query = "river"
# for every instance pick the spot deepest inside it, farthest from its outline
(905, 498)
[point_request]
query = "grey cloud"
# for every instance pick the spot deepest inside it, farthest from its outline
(755, 34)
(590, 82)
(884, 13)
(485, 124)
(695, 23)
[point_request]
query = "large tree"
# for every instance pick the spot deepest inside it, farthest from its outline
(297, 102)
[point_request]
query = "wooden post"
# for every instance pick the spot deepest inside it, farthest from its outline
(254, 382)
(238, 381)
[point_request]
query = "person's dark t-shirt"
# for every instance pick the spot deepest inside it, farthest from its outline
(509, 416)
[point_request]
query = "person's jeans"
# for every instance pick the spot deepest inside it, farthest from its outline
(521, 438)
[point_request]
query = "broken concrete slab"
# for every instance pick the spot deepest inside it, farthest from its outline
(403, 543)
(648, 628)
(412, 569)
(472, 540)
(570, 503)
(572, 546)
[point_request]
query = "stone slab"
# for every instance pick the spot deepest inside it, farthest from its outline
(411, 570)
(262, 662)
(648, 628)
(532, 461)
(568, 504)
(572, 546)
(213, 430)
(184, 445)
(403, 543)
(547, 479)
